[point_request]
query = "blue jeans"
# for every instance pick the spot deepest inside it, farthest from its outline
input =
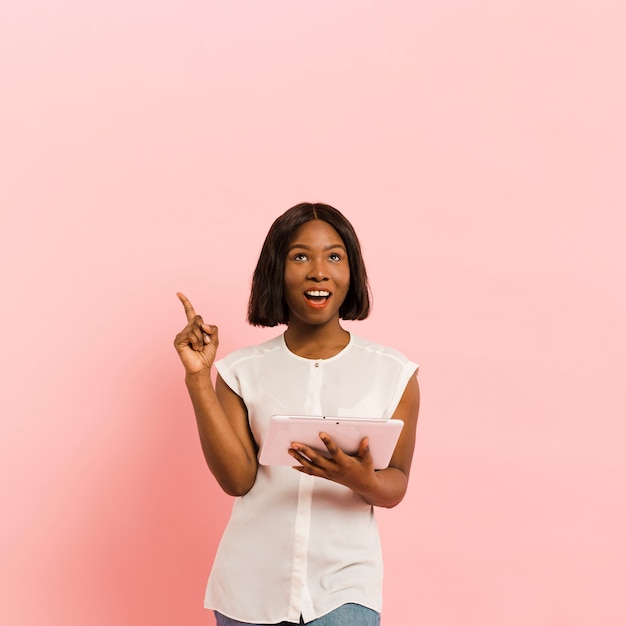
(345, 615)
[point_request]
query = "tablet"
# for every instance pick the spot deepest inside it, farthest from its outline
(347, 432)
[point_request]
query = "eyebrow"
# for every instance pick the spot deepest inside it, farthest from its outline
(305, 247)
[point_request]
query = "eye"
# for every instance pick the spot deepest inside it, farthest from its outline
(299, 256)
(335, 256)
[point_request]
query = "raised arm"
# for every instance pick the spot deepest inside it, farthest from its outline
(221, 415)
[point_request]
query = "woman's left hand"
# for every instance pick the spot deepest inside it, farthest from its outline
(354, 471)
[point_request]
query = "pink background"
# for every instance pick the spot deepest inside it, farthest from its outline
(478, 148)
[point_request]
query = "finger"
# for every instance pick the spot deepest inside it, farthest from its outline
(305, 455)
(364, 449)
(331, 446)
(209, 333)
(191, 337)
(198, 339)
(188, 339)
(189, 310)
(306, 467)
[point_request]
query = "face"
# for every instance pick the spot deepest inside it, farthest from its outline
(317, 274)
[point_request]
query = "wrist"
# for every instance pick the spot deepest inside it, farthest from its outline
(200, 377)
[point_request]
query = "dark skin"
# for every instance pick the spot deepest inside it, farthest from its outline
(317, 278)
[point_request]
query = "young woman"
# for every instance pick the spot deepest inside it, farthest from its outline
(301, 547)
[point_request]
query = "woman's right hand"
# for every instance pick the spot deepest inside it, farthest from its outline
(197, 343)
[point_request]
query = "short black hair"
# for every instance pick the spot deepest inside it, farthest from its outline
(267, 305)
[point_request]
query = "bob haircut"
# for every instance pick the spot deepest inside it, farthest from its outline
(267, 305)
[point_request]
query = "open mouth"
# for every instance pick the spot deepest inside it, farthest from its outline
(317, 296)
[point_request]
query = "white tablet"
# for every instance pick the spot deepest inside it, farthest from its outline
(347, 432)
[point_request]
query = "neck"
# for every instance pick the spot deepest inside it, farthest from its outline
(316, 342)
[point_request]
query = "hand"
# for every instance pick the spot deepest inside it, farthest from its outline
(355, 472)
(197, 343)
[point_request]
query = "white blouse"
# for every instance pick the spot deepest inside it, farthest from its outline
(296, 544)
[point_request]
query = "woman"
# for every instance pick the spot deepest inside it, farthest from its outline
(301, 546)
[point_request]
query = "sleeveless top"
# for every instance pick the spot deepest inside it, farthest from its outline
(297, 544)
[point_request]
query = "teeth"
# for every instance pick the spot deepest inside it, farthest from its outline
(318, 294)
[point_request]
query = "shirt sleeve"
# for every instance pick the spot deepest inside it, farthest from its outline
(227, 371)
(409, 368)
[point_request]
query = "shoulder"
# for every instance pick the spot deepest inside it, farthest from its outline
(367, 349)
(250, 353)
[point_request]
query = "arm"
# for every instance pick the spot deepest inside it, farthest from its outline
(227, 443)
(221, 415)
(379, 488)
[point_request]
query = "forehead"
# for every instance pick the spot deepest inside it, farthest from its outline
(316, 232)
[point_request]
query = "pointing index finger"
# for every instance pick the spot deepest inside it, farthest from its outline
(189, 310)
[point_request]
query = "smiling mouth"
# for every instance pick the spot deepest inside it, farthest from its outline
(317, 296)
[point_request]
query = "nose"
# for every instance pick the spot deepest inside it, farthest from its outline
(317, 271)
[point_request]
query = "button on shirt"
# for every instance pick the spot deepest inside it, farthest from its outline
(296, 544)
